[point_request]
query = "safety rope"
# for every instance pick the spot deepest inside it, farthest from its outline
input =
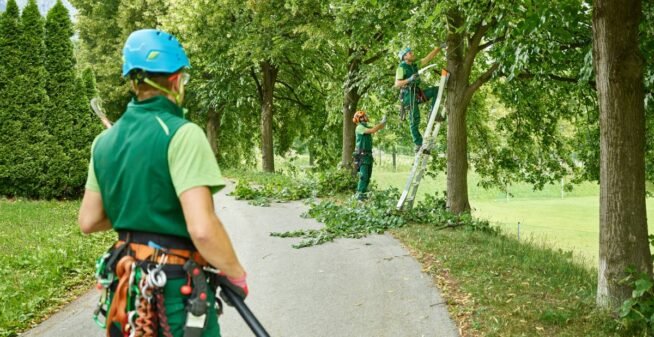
(146, 323)
(117, 312)
(161, 311)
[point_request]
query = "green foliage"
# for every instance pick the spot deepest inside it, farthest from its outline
(505, 287)
(351, 219)
(88, 78)
(636, 314)
(45, 261)
(355, 219)
(265, 187)
(24, 141)
(69, 122)
(102, 40)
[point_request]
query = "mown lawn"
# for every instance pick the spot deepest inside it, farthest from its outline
(45, 261)
(570, 223)
(498, 286)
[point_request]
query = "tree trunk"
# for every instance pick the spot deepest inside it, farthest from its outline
(350, 102)
(214, 116)
(311, 150)
(394, 158)
(457, 106)
(623, 223)
(269, 73)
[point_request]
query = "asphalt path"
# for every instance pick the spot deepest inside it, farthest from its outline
(350, 288)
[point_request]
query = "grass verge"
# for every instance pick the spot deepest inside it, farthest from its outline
(45, 261)
(497, 286)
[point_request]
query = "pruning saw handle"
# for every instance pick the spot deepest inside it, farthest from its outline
(246, 314)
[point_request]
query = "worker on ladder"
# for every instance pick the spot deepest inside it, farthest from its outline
(407, 79)
(363, 151)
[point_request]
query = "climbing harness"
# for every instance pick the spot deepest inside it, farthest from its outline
(422, 156)
(131, 277)
(358, 157)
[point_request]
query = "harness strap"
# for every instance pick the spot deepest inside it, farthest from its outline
(168, 241)
(118, 309)
(142, 252)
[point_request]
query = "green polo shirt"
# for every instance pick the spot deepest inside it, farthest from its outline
(401, 72)
(190, 159)
(363, 139)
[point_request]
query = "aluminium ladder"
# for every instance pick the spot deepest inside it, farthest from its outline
(421, 159)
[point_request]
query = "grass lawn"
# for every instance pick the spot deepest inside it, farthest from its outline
(45, 261)
(498, 286)
(570, 223)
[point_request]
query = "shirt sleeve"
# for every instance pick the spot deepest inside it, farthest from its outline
(360, 129)
(399, 73)
(91, 179)
(191, 161)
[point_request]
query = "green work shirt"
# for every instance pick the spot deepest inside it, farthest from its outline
(190, 159)
(145, 161)
(405, 70)
(363, 140)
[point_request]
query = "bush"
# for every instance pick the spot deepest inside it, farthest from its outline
(636, 315)
(264, 188)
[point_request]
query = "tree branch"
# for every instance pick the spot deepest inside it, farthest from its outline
(558, 78)
(292, 100)
(375, 57)
(492, 42)
(470, 90)
(473, 43)
(258, 85)
(292, 90)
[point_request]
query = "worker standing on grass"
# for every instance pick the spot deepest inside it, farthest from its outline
(363, 152)
(151, 179)
(407, 80)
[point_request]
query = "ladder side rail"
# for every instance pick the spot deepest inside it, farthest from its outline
(434, 109)
(407, 186)
(416, 183)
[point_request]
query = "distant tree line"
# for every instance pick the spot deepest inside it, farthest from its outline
(46, 125)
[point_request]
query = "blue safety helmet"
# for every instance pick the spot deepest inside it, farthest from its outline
(154, 51)
(403, 52)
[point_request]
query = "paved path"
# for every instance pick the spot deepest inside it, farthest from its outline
(349, 288)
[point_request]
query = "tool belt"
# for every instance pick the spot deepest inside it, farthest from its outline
(140, 249)
(358, 157)
(132, 275)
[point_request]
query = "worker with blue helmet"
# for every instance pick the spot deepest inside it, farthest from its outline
(151, 179)
(407, 80)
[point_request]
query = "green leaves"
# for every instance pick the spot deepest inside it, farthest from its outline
(351, 219)
(264, 188)
(354, 219)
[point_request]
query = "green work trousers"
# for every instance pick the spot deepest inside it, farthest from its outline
(175, 304)
(411, 102)
(365, 172)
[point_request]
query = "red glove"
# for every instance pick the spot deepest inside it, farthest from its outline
(237, 285)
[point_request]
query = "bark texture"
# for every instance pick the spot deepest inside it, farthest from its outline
(456, 106)
(623, 222)
(269, 74)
